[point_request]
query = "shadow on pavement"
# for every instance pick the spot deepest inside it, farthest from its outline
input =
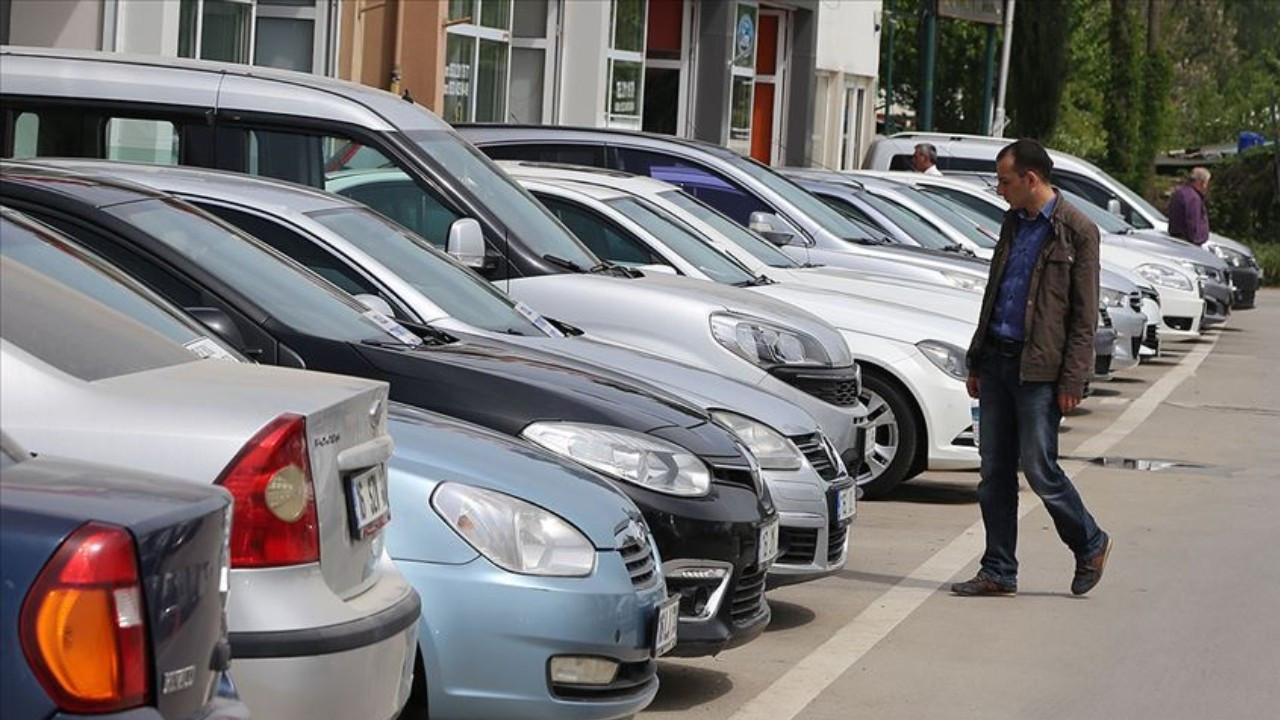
(1124, 380)
(788, 616)
(934, 492)
(1103, 392)
(683, 687)
(887, 580)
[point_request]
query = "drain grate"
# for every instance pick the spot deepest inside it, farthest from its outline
(1151, 465)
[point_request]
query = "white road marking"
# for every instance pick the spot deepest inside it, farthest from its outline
(813, 674)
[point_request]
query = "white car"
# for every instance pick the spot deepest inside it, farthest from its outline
(912, 359)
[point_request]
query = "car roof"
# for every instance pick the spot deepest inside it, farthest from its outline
(588, 176)
(97, 190)
(483, 133)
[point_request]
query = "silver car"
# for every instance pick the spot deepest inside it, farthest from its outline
(321, 623)
(411, 280)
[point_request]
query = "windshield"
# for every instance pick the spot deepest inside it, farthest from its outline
(442, 280)
(683, 241)
(503, 197)
(761, 249)
(288, 293)
(910, 223)
(1106, 222)
(960, 221)
(1129, 196)
(818, 211)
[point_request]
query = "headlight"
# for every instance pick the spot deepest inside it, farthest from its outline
(1234, 258)
(771, 448)
(965, 281)
(1165, 276)
(513, 534)
(949, 358)
(1113, 298)
(634, 457)
(766, 344)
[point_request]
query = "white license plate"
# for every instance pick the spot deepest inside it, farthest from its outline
(367, 499)
(768, 542)
(846, 503)
(668, 625)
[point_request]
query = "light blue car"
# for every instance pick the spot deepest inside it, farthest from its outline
(542, 597)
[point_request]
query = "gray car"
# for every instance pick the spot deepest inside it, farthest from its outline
(321, 622)
(405, 277)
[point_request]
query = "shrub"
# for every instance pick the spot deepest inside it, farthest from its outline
(1244, 200)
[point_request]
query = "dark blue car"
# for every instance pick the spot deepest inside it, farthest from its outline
(112, 589)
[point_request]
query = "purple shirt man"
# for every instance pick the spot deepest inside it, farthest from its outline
(1188, 219)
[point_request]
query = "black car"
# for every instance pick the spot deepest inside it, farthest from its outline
(700, 490)
(114, 592)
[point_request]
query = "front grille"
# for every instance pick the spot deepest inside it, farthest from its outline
(836, 537)
(1178, 323)
(748, 596)
(637, 555)
(797, 546)
(736, 476)
(815, 451)
(1152, 337)
(837, 387)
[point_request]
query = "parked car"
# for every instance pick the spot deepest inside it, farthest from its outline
(972, 153)
(114, 593)
(321, 623)
(906, 204)
(700, 489)
(305, 128)
(388, 266)
(485, 663)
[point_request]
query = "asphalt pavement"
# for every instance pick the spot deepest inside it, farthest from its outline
(1178, 459)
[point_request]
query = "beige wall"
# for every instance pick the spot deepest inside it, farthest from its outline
(67, 24)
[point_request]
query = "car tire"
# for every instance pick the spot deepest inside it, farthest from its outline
(892, 436)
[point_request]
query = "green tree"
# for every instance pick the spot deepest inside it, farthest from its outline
(1038, 68)
(1120, 115)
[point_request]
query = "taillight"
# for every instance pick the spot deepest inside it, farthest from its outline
(83, 625)
(273, 519)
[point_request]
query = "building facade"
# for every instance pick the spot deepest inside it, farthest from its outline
(788, 82)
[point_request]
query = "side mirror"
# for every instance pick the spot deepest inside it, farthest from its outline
(656, 268)
(375, 303)
(220, 323)
(466, 242)
(1113, 207)
(771, 227)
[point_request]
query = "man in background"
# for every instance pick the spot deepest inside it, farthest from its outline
(1188, 219)
(924, 159)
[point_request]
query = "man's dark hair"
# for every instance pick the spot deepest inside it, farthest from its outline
(1028, 155)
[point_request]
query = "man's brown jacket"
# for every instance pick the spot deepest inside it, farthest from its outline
(1062, 301)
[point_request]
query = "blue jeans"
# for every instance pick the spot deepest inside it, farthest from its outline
(1020, 424)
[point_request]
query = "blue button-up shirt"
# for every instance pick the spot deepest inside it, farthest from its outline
(1009, 318)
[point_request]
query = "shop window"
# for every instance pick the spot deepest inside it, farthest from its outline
(742, 80)
(273, 33)
(625, 99)
(215, 29)
(477, 61)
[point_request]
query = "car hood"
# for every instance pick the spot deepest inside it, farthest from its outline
(1169, 247)
(707, 390)
(432, 448)
(941, 300)
(595, 300)
(875, 317)
(505, 388)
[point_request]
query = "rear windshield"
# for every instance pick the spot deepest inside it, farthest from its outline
(79, 319)
(278, 287)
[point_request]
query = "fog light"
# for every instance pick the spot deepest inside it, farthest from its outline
(579, 670)
(696, 573)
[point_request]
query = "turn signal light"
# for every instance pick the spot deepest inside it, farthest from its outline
(83, 623)
(274, 514)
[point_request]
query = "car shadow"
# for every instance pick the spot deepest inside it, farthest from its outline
(887, 580)
(788, 616)
(937, 492)
(1103, 392)
(1123, 380)
(683, 687)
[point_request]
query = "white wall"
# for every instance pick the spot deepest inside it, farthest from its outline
(583, 65)
(147, 26)
(847, 38)
(64, 24)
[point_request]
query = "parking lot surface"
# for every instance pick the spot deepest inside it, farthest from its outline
(1179, 460)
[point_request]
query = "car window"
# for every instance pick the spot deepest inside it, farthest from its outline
(763, 250)
(606, 239)
(961, 222)
(1105, 221)
(991, 211)
(93, 340)
(683, 241)
(445, 282)
(710, 187)
(291, 297)
(300, 249)
(406, 203)
(910, 223)
(568, 154)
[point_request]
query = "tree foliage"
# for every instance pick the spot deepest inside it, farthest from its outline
(1037, 68)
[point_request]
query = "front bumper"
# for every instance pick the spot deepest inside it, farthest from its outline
(1217, 302)
(812, 541)
(488, 637)
(1130, 327)
(1180, 313)
(1104, 350)
(1246, 281)
(944, 402)
(720, 531)
(830, 395)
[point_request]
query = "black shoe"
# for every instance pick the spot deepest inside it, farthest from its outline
(1089, 570)
(983, 586)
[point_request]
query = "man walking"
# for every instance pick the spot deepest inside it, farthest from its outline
(1028, 362)
(925, 159)
(1188, 219)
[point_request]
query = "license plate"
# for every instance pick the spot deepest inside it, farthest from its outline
(768, 542)
(846, 503)
(367, 502)
(668, 624)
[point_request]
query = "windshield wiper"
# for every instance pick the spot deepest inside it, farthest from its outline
(569, 265)
(756, 281)
(605, 267)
